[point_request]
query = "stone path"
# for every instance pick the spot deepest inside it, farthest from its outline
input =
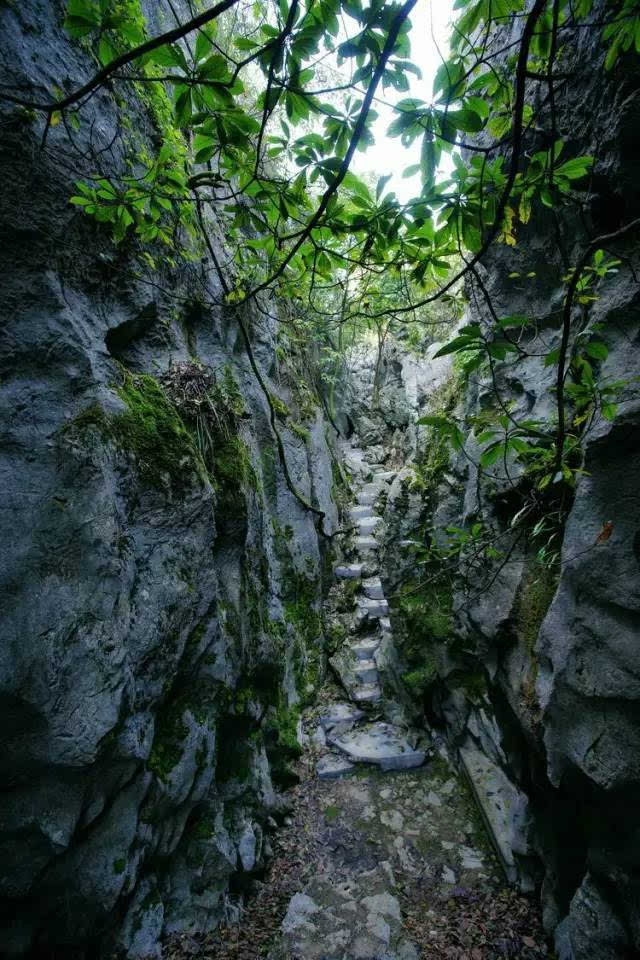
(376, 833)
(358, 738)
(384, 855)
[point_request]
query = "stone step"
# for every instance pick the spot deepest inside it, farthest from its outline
(371, 609)
(372, 588)
(367, 499)
(364, 545)
(379, 743)
(332, 767)
(367, 693)
(367, 671)
(385, 622)
(365, 649)
(368, 524)
(338, 714)
(374, 489)
(349, 571)
(384, 476)
(361, 512)
(404, 761)
(354, 459)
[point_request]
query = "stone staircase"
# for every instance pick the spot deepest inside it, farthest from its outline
(354, 733)
(367, 840)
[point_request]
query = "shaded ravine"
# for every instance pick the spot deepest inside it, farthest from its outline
(384, 856)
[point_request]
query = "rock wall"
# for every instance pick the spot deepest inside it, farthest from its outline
(534, 678)
(160, 594)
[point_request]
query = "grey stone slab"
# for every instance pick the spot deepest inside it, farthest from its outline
(372, 609)
(374, 489)
(379, 743)
(331, 767)
(340, 713)
(366, 671)
(372, 588)
(366, 544)
(406, 761)
(386, 476)
(368, 693)
(349, 571)
(367, 525)
(361, 512)
(365, 649)
(496, 796)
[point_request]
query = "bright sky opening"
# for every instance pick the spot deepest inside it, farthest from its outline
(429, 45)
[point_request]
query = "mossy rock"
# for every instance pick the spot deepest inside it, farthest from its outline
(168, 743)
(282, 744)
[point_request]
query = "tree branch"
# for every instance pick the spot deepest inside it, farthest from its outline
(99, 79)
(392, 36)
(566, 326)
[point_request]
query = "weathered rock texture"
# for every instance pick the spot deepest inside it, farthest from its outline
(536, 679)
(160, 601)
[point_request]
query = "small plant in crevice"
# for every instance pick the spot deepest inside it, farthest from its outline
(213, 404)
(152, 429)
(213, 407)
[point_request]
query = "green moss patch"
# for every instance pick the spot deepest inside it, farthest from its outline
(534, 599)
(153, 431)
(168, 743)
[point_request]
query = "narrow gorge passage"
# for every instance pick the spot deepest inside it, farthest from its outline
(384, 855)
(319, 451)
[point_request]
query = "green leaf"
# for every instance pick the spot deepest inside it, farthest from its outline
(466, 120)
(352, 182)
(243, 43)
(497, 351)
(203, 45)
(434, 421)
(382, 182)
(575, 169)
(183, 107)
(492, 454)
(83, 17)
(203, 148)
(479, 106)
(79, 27)
(485, 436)
(428, 159)
(546, 197)
(552, 357)
(455, 346)
(597, 349)
(167, 56)
(214, 68)
(106, 53)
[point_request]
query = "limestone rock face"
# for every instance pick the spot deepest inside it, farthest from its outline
(160, 604)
